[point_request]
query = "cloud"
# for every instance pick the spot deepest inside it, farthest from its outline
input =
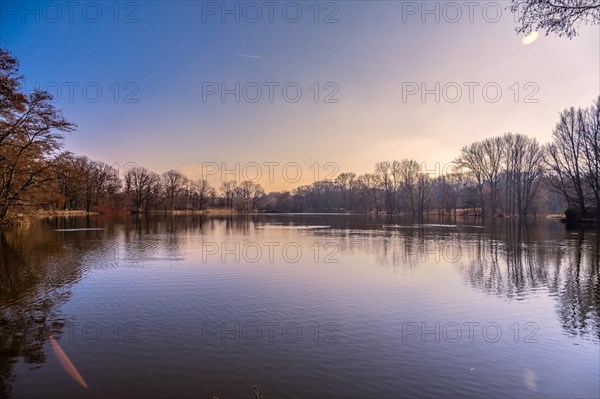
(260, 57)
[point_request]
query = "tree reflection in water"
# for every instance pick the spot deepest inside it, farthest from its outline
(514, 260)
(35, 280)
(38, 266)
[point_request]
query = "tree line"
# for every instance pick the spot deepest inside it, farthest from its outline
(90, 185)
(506, 175)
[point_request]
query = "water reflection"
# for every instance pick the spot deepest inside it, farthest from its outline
(39, 266)
(35, 280)
(516, 261)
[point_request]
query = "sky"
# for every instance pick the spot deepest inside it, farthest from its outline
(286, 93)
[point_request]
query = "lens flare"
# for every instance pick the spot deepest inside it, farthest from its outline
(66, 362)
(530, 379)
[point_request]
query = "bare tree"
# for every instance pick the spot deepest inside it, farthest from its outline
(372, 183)
(524, 168)
(560, 17)
(510, 156)
(68, 180)
(382, 170)
(204, 192)
(346, 183)
(493, 155)
(409, 171)
(472, 159)
(30, 135)
(244, 193)
(388, 173)
(106, 182)
(532, 172)
(447, 191)
(468, 193)
(82, 182)
(142, 186)
(424, 191)
(87, 175)
(173, 183)
(258, 193)
(564, 159)
(228, 190)
(590, 130)
(396, 172)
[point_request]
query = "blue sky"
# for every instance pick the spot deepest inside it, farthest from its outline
(164, 54)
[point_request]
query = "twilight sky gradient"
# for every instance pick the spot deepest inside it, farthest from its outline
(171, 51)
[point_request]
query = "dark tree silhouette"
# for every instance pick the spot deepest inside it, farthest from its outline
(560, 17)
(30, 135)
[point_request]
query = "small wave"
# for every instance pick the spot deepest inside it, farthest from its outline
(417, 226)
(154, 259)
(293, 227)
(451, 226)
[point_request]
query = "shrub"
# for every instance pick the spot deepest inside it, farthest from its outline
(572, 213)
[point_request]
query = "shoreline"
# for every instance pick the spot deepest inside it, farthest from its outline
(50, 214)
(221, 211)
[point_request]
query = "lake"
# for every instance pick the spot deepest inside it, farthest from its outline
(339, 306)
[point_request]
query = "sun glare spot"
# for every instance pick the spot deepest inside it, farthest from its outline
(530, 38)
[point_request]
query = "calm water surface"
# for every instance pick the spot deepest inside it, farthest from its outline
(301, 306)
